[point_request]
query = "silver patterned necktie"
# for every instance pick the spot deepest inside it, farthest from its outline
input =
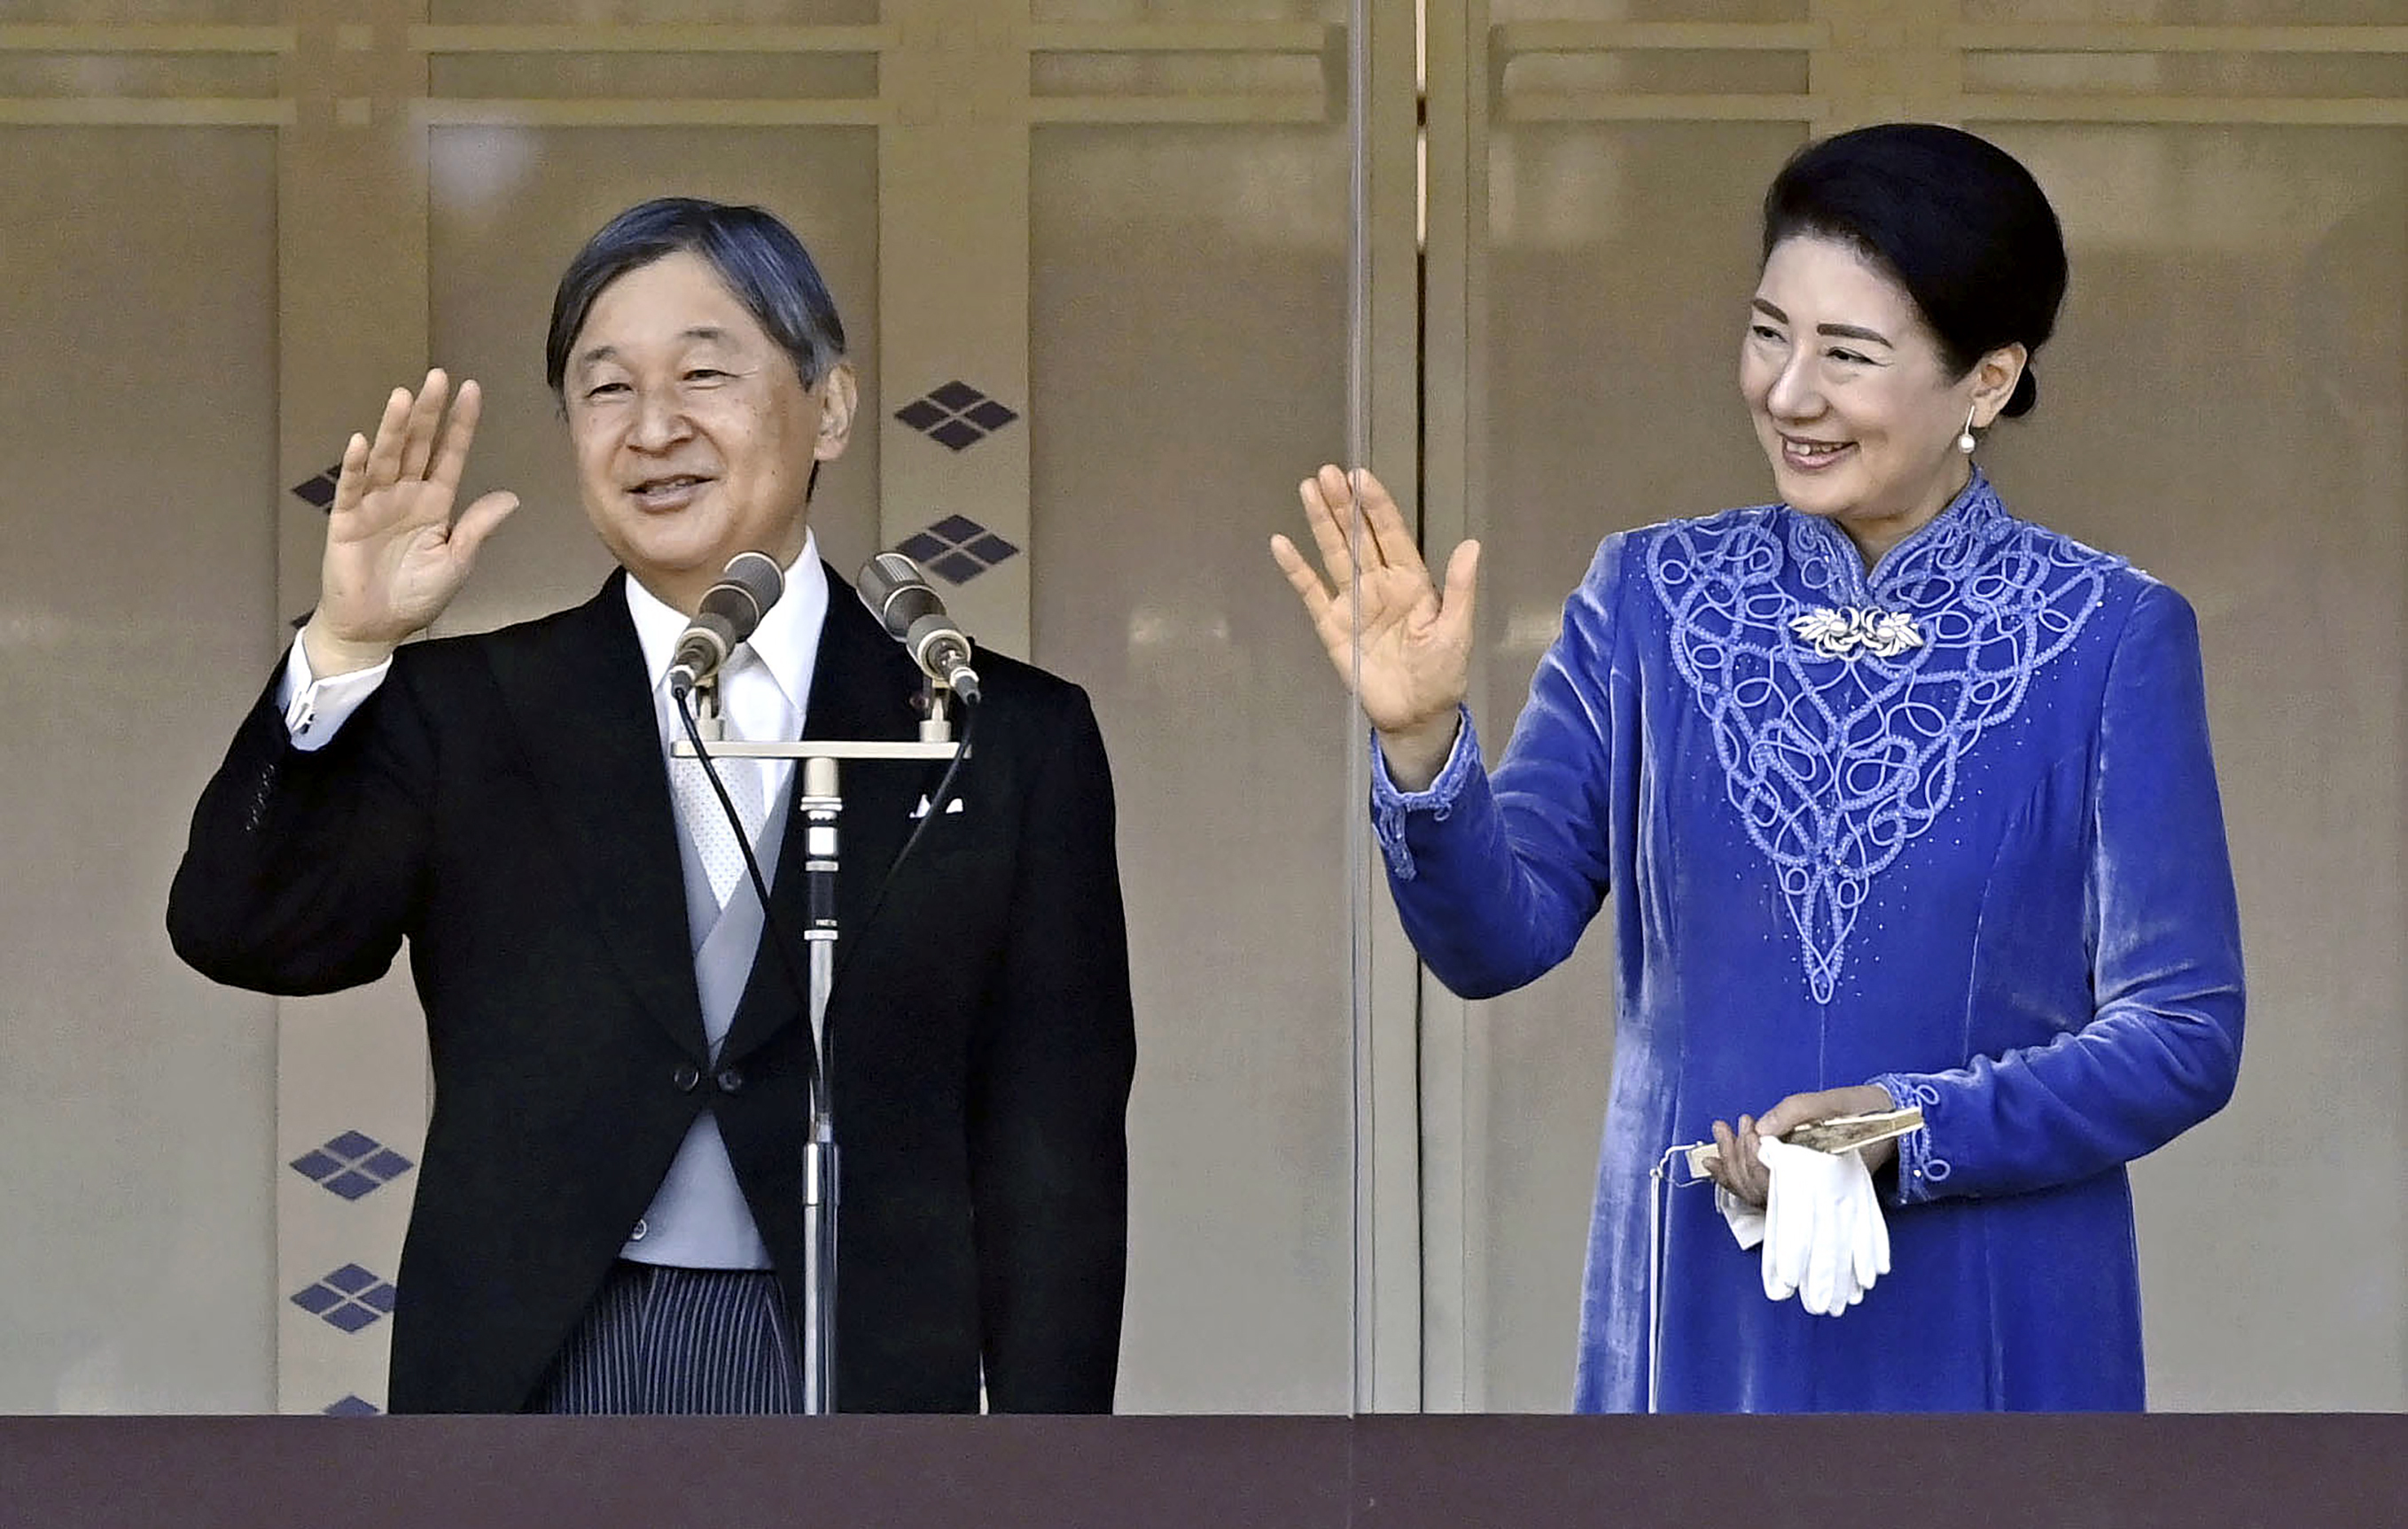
(698, 808)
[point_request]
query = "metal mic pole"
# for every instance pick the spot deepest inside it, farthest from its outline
(822, 803)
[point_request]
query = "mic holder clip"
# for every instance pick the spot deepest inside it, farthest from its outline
(935, 702)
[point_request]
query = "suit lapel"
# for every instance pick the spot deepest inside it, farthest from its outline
(863, 688)
(576, 690)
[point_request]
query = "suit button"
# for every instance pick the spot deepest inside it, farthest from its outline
(687, 1077)
(730, 1080)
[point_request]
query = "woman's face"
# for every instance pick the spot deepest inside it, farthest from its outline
(1851, 401)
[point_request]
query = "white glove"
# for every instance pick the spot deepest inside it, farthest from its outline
(1825, 1240)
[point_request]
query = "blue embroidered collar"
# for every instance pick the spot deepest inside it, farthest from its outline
(1840, 702)
(1828, 560)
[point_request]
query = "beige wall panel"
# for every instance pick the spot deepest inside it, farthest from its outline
(1503, 11)
(350, 220)
(138, 76)
(953, 270)
(1619, 267)
(509, 207)
(136, 618)
(654, 12)
(659, 77)
(97, 12)
(2226, 406)
(1187, 10)
(1187, 340)
(2188, 13)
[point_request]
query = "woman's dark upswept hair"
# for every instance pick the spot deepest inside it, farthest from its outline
(1954, 220)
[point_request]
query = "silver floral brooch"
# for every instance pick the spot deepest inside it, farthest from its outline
(1847, 631)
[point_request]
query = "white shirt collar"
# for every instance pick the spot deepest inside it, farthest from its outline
(787, 641)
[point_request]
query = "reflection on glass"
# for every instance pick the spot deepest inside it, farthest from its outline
(1187, 331)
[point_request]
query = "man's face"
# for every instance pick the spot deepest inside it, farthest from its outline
(695, 436)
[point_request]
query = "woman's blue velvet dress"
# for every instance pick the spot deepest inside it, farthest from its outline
(1988, 872)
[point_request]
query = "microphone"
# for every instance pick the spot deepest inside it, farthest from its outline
(729, 611)
(897, 594)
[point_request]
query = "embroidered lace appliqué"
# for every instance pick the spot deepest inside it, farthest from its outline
(1836, 761)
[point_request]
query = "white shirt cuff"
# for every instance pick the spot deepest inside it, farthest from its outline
(315, 709)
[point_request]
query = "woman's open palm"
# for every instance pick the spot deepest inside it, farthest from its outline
(1415, 641)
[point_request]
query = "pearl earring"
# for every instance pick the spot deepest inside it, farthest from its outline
(1965, 438)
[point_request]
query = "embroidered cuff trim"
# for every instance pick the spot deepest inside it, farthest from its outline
(1391, 805)
(1920, 1172)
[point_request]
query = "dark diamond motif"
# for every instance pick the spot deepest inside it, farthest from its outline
(352, 1164)
(319, 492)
(958, 548)
(353, 1406)
(318, 1165)
(350, 1316)
(349, 1299)
(960, 567)
(384, 1163)
(350, 1279)
(957, 415)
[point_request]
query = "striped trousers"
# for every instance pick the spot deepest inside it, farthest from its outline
(659, 1339)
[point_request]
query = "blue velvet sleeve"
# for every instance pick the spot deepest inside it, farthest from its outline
(1494, 876)
(2163, 1047)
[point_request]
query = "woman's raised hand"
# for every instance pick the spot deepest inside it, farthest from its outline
(1415, 644)
(395, 556)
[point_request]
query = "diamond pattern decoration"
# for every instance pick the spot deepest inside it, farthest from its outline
(352, 1164)
(957, 549)
(957, 415)
(353, 1406)
(319, 492)
(350, 1298)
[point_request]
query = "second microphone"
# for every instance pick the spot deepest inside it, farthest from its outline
(899, 595)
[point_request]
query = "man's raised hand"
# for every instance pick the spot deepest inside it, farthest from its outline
(395, 556)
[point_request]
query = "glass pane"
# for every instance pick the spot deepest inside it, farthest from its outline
(1187, 324)
(1621, 258)
(137, 608)
(2225, 405)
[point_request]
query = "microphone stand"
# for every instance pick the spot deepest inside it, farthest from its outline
(820, 800)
